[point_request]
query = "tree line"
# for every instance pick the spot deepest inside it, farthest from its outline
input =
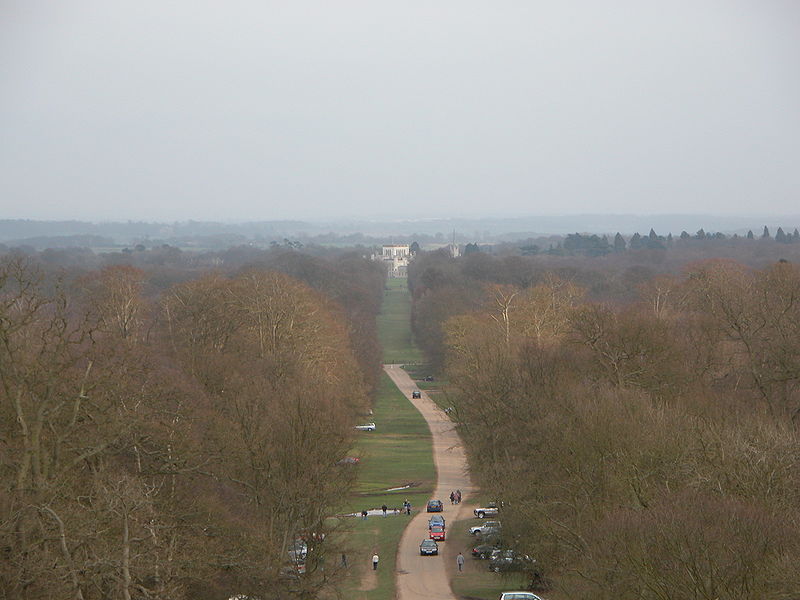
(174, 440)
(642, 449)
(442, 286)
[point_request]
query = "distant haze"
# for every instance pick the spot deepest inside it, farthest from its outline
(235, 111)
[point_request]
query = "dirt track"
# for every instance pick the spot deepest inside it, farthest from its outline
(427, 577)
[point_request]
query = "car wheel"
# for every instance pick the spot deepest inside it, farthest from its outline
(481, 515)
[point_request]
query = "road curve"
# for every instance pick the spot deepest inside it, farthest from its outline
(426, 577)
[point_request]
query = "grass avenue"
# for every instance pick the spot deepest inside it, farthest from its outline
(398, 453)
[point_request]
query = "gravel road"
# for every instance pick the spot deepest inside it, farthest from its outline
(427, 577)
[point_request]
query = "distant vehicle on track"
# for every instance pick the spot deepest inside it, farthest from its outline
(428, 547)
(490, 510)
(519, 596)
(366, 427)
(437, 533)
(435, 506)
(416, 394)
(348, 460)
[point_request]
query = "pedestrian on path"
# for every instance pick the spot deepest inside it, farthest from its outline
(383, 508)
(460, 561)
(452, 497)
(375, 559)
(458, 496)
(344, 560)
(364, 515)
(408, 508)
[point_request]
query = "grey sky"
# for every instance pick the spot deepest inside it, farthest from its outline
(189, 109)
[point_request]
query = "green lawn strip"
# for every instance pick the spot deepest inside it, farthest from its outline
(376, 534)
(418, 372)
(398, 452)
(394, 329)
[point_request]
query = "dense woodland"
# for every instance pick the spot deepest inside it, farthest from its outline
(637, 414)
(167, 431)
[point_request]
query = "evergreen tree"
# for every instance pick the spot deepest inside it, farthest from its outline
(619, 243)
(636, 241)
(685, 235)
(781, 237)
(669, 240)
(750, 235)
(413, 248)
(765, 235)
(701, 234)
(796, 235)
(653, 236)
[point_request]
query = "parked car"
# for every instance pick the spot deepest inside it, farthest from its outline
(416, 394)
(436, 520)
(508, 560)
(348, 460)
(490, 510)
(487, 527)
(483, 551)
(435, 506)
(519, 596)
(437, 533)
(298, 550)
(366, 427)
(428, 547)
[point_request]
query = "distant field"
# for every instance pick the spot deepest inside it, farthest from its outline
(394, 325)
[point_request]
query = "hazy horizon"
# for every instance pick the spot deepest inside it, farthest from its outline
(364, 110)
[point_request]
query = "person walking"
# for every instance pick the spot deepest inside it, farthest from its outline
(452, 497)
(383, 508)
(344, 560)
(458, 496)
(408, 508)
(375, 559)
(460, 561)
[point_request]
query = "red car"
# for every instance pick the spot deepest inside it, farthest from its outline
(437, 533)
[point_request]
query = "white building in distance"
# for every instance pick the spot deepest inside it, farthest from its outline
(395, 258)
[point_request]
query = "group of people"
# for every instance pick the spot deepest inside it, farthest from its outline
(455, 497)
(407, 507)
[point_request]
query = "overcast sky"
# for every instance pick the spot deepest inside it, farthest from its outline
(187, 109)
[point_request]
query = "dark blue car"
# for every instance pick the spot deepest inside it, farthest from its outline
(435, 506)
